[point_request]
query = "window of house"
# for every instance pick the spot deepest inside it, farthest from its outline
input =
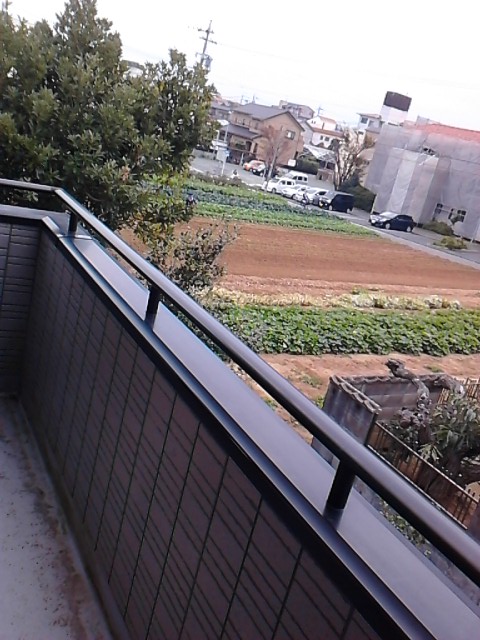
(290, 135)
(363, 120)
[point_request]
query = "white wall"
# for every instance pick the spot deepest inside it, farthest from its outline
(323, 123)
(392, 115)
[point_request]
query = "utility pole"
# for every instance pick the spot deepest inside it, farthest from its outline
(205, 59)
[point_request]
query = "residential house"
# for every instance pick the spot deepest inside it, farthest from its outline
(268, 133)
(301, 112)
(322, 122)
(370, 124)
(431, 172)
(325, 138)
(323, 131)
(307, 133)
(221, 108)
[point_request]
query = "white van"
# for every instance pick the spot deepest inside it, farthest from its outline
(300, 178)
(276, 185)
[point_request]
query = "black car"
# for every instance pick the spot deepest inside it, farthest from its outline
(390, 220)
(336, 201)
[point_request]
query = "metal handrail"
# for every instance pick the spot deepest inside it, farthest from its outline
(355, 458)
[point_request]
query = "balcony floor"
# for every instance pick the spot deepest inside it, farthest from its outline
(44, 591)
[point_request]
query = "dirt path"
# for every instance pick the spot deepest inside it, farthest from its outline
(311, 374)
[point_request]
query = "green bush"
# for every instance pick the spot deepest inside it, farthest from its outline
(363, 197)
(313, 331)
(307, 166)
(442, 228)
(451, 243)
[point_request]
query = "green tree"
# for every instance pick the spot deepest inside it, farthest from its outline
(71, 115)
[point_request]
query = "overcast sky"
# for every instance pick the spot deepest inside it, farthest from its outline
(341, 56)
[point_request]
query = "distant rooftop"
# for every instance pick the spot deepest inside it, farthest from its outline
(327, 132)
(241, 132)
(261, 111)
(452, 132)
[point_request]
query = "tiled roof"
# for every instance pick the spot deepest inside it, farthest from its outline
(261, 111)
(325, 119)
(240, 132)
(334, 134)
(452, 132)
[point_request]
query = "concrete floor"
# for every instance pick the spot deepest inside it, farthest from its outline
(44, 591)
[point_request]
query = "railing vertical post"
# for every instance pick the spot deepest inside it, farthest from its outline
(341, 486)
(154, 298)
(72, 223)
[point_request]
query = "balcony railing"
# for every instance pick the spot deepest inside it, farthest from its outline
(195, 505)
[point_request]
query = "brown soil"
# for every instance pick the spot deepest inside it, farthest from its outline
(311, 374)
(278, 260)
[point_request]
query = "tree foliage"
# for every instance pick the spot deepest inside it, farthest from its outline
(447, 435)
(71, 115)
(189, 258)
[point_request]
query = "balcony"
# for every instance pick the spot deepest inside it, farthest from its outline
(198, 511)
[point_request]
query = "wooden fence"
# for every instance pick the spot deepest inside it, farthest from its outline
(458, 502)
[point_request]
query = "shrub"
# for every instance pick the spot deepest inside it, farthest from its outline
(451, 243)
(307, 166)
(442, 228)
(363, 197)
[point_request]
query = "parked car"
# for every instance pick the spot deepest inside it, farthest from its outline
(295, 193)
(252, 165)
(259, 170)
(336, 201)
(301, 178)
(277, 185)
(391, 220)
(314, 194)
